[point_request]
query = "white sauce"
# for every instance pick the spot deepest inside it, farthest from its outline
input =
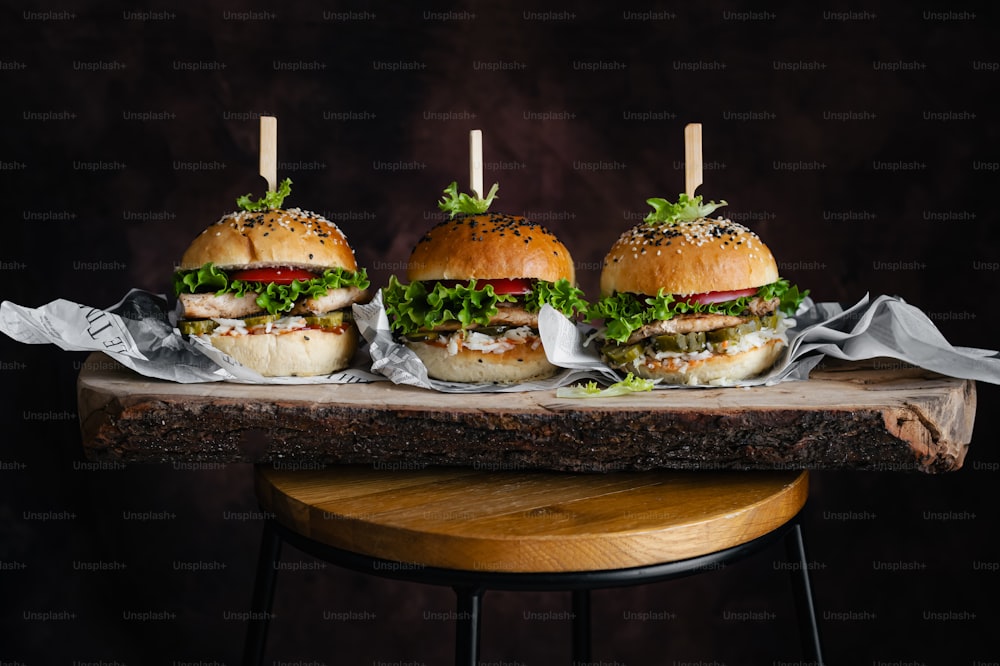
(238, 327)
(489, 344)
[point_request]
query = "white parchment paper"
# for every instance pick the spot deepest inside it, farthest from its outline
(139, 332)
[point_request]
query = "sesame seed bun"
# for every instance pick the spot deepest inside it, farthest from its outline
(689, 257)
(279, 237)
(490, 246)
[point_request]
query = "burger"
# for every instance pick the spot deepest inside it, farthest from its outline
(689, 299)
(477, 282)
(272, 288)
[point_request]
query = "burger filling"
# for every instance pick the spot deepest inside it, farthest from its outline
(489, 316)
(691, 327)
(494, 340)
(266, 300)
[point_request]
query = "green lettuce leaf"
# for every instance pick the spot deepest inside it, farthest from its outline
(456, 203)
(790, 295)
(271, 297)
(623, 313)
(630, 384)
(206, 278)
(686, 208)
(269, 201)
(561, 295)
(413, 307)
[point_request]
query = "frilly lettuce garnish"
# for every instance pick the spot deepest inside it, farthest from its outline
(789, 295)
(419, 307)
(413, 307)
(630, 384)
(270, 200)
(561, 295)
(455, 202)
(686, 208)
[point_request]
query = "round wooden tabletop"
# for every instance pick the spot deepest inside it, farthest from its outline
(472, 520)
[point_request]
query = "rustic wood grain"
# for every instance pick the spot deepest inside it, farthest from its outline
(846, 416)
(522, 521)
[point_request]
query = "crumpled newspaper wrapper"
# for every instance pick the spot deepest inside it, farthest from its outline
(885, 327)
(140, 333)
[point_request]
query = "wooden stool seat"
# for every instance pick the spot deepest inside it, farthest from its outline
(530, 521)
(477, 530)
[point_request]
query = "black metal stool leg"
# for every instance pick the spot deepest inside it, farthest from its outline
(470, 601)
(808, 626)
(581, 627)
(263, 596)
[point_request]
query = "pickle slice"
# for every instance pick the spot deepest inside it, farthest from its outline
(330, 319)
(722, 334)
(623, 354)
(260, 320)
(421, 336)
(680, 342)
(495, 331)
(196, 326)
(732, 333)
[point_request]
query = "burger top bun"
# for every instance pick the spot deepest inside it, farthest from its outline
(490, 246)
(278, 237)
(687, 257)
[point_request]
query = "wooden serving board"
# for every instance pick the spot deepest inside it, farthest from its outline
(874, 416)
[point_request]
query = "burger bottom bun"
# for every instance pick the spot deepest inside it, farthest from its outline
(716, 369)
(301, 353)
(517, 365)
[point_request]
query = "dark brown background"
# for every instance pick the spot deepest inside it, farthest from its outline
(898, 198)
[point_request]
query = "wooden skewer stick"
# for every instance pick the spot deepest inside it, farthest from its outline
(692, 158)
(269, 151)
(476, 163)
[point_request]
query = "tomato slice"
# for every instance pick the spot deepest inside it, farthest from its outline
(709, 297)
(283, 275)
(516, 286)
